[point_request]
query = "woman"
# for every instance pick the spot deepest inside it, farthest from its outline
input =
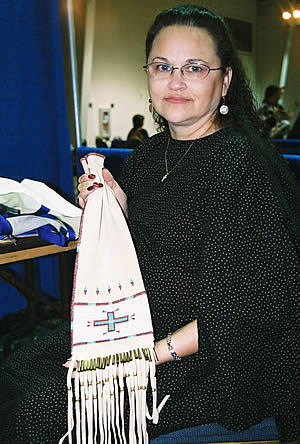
(215, 232)
(213, 213)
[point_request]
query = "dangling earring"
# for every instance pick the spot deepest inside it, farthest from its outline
(151, 108)
(224, 108)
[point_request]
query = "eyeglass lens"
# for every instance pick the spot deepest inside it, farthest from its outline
(193, 71)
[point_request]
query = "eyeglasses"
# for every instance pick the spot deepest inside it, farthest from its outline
(191, 71)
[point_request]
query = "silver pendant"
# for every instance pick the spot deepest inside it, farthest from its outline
(164, 177)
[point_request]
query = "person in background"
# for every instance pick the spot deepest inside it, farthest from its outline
(100, 143)
(214, 214)
(118, 142)
(275, 119)
(137, 134)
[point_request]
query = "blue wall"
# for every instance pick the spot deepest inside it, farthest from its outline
(34, 138)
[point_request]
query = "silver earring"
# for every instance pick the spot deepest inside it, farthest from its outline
(224, 108)
(151, 108)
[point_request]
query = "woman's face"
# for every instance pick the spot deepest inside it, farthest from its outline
(187, 104)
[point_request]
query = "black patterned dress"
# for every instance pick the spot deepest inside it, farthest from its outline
(216, 243)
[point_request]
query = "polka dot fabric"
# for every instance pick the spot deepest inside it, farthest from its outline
(33, 395)
(213, 245)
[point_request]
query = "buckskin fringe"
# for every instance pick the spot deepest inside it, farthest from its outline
(97, 393)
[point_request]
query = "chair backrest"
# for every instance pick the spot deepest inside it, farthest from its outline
(288, 146)
(115, 159)
(294, 161)
(118, 143)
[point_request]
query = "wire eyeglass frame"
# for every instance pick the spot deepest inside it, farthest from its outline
(183, 69)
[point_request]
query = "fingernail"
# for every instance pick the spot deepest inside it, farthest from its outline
(90, 188)
(97, 185)
(91, 176)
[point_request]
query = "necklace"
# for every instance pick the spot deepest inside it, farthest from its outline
(179, 161)
(181, 158)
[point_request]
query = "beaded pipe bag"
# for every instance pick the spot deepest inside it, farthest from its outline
(111, 327)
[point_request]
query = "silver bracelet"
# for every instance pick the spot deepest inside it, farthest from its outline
(171, 349)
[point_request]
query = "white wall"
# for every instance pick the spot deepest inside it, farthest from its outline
(118, 55)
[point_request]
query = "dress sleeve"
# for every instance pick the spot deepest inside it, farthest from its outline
(247, 285)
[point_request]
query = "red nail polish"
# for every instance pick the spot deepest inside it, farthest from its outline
(97, 185)
(90, 188)
(91, 176)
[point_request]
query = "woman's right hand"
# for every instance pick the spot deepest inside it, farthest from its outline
(87, 185)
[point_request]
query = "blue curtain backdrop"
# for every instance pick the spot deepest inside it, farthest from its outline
(34, 141)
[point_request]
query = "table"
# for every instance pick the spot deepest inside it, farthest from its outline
(15, 255)
(27, 249)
